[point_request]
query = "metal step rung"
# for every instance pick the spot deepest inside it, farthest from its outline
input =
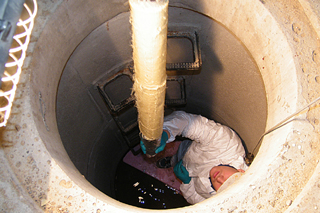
(118, 100)
(197, 63)
(176, 92)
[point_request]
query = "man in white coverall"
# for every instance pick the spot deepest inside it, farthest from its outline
(205, 163)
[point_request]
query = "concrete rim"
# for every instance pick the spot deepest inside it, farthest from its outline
(38, 150)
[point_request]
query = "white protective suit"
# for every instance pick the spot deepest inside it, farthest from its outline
(213, 144)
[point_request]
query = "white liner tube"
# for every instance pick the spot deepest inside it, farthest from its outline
(149, 21)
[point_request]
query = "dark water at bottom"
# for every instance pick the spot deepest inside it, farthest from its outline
(136, 188)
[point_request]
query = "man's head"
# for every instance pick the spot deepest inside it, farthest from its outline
(219, 174)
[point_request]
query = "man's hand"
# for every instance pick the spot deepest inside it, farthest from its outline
(181, 172)
(163, 142)
(143, 148)
(164, 139)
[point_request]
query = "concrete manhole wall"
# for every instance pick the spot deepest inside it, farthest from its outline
(283, 42)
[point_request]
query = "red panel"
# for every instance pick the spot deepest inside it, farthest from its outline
(148, 165)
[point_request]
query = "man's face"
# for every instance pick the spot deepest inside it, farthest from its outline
(219, 174)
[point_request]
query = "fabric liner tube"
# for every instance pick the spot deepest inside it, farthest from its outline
(149, 20)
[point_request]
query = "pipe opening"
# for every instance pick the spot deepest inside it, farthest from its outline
(228, 89)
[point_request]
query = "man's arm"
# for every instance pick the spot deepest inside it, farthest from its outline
(190, 194)
(195, 127)
(176, 123)
(217, 139)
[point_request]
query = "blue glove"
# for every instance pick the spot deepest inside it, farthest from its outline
(143, 148)
(163, 142)
(181, 172)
